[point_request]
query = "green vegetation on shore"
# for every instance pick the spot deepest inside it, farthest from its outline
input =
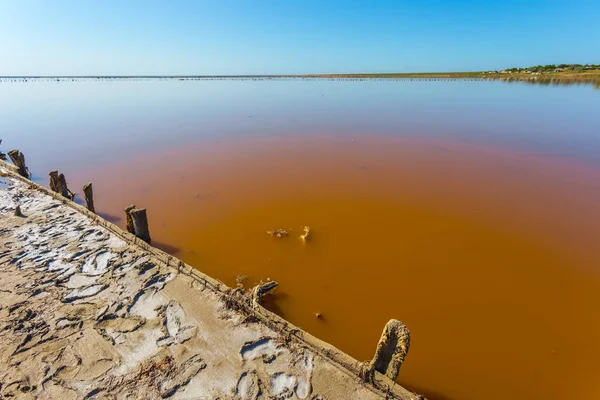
(560, 68)
(560, 74)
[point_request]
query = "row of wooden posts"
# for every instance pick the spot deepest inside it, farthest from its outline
(394, 342)
(136, 219)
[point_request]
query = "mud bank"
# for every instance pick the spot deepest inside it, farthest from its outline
(89, 311)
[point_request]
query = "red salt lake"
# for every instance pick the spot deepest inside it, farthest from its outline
(468, 210)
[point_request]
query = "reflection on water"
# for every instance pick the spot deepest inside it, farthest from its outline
(59, 125)
(469, 210)
(552, 80)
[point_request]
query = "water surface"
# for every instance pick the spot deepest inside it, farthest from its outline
(468, 210)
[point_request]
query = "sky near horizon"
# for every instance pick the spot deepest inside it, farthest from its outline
(109, 37)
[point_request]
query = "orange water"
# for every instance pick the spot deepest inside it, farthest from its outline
(489, 256)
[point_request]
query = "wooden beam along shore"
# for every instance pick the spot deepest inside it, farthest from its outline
(392, 347)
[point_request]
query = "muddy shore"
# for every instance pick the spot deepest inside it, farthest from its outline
(89, 311)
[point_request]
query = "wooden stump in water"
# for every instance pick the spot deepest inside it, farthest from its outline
(18, 159)
(58, 184)
(140, 224)
(260, 290)
(64, 190)
(391, 349)
(89, 197)
(129, 221)
(54, 181)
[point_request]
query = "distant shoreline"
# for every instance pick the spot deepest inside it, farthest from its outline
(542, 77)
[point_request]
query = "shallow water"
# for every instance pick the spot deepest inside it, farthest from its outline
(468, 210)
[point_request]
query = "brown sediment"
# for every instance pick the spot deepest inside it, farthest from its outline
(87, 311)
(462, 243)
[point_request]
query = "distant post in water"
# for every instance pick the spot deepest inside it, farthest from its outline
(140, 224)
(129, 221)
(89, 197)
(18, 159)
(392, 349)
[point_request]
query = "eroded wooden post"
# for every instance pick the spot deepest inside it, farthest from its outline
(58, 184)
(391, 349)
(89, 197)
(260, 290)
(64, 190)
(18, 159)
(54, 181)
(140, 224)
(128, 220)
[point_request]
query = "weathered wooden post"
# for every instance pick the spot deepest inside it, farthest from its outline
(58, 184)
(140, 224)
(18, 159)
(128, 220)
(391, 349)
(89, 197)
(260, 290)
(54, 181)
(64, 190)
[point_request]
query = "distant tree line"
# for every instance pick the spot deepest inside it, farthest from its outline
(553, 67)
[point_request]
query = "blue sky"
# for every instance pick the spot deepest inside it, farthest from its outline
(77, 37)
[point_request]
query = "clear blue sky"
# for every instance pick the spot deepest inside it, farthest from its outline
(73, 37)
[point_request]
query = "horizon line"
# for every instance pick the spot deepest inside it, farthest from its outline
(235, 75)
